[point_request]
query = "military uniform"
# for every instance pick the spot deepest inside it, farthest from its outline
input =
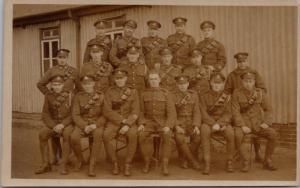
(199, 78)
(152, 45)
(181, 44)
(100, 70)
(212, 50)
(188, 118)
(157, 111)
(216, 109)
(87, 110)
(251, 108)
(120, 46)
(56, 110)
(121, 107)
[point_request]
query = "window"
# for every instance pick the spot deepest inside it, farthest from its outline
(115, 27)
(49, 46)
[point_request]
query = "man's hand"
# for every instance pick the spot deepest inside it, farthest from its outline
(223, 128)
(179, 130)
(124, 129)
(166, 130)
(87, 129)
(211, 67)
(246, 130)
(264, 125)
(216, 127)
(59, 128)
(93, 126)
(196, 130)
(141, 128)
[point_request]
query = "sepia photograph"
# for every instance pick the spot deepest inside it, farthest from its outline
(150, 93)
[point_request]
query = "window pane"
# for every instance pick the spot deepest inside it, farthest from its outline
(55, 32)
(117, 35)
(119, 23)
(109, 24)
(46, 33)
(54, 62)
(54, 48)
(109, 36)
(46, 65)
(46, 49)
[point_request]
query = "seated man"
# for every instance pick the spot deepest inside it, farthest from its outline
(57, 118)
(188, 122)
(89, 121)
(252, 113)
(121, 108)
(215, 107)
(157, 116)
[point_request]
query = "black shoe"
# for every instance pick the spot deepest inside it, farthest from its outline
(127, 170)
(269, 166)
(206, 169)
(64, 170)
(146, 168)
(115, 170)
(229, 166)
(92, 172)
(246, 166)
(184, 164)
(165, 169)
(43, 169)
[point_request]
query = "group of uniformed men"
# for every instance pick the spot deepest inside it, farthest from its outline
(173, 88)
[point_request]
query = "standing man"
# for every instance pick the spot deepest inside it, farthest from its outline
(121, 108)
(216, 117)
(252, 113)
(157, 115)
(198, 73)
(120, 46)
(152, 44)
(181, 43)
(188, 122)
(212, 50)
(71, 83)
(167, 70)
(101, 70)
(89, 120)
(137, 69)
(101, 38)
(234, 81)
(57, 118)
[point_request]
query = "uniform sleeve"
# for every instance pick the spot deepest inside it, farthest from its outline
(109, 113)
(221, 57)
(196, 113)
(171, 112)
(236, 111)
(226, 117)
(228, 88)
(86, 56)
(43, 82)
(50, 123)
(205, 116)
(113, 55)
(267, 108)
(192, 43)
(259, 83)
(78, 86)
(101, 121)
(141, 120)
(79, 121)
(67, 120)
(135, 109)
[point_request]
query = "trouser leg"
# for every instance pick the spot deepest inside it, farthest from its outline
(132, 144)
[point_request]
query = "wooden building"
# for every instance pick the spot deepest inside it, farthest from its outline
(269, 34)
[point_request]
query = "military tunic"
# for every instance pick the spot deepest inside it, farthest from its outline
(101, 71)
(87, 109)
(70, 74)
(157, 111)
(216, 109)
(213, 53)
(103, 40)
(120, 104)
(119, 48)
(167, 75)
(181, 45)
(234, 80)
(151, 47)
(251, 109)
(137, 73)
(199, 78)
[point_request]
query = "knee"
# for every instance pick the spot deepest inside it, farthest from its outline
(132, 133)
(97, 134)
(67, 133)
(44, 135)
(205, 130)
(179, 138)
(229, 133)
(75, 138)
(108, 135)
(272, 134)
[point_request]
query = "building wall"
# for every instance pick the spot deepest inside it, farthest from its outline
(27, 63)
(269, 34)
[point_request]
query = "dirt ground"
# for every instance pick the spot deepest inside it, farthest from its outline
(26, 158)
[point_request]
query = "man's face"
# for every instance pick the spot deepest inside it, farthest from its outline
(120, 81)
(133, 57)
(96, 55)
(62, 60)
(249, 84)
(57, 87)
(183, 86)
(128, 31)
(217, 86)
(154, 80)
(196, 60)
(167, 59)
(242, 64)
(208, 32)
(180, 28)
(152, 32)
(100, 31)
(88, 86)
